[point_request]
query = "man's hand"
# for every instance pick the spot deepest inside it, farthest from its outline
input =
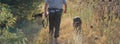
(46, 14)
(65, 11)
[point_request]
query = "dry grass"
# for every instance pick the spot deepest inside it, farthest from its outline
(94, 32)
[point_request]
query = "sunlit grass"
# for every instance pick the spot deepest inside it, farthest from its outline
(95, 31)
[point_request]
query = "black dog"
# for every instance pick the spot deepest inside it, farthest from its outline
(77, 23)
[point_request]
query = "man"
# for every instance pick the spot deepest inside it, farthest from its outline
(55, 10)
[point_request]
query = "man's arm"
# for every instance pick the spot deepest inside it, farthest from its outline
(45, 9)
(65, 6)
(65, 11)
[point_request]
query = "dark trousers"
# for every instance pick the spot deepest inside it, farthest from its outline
(54, 21)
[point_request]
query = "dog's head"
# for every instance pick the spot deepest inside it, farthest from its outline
(77, 22)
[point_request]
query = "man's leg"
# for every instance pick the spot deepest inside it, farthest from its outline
(51, 23)
(57, 23)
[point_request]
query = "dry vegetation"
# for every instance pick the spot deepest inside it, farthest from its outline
(100, 23)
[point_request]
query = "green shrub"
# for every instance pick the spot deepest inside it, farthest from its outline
(12, 38)
(6, 18)
(14, 14)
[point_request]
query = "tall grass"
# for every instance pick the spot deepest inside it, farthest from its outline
(99, 26)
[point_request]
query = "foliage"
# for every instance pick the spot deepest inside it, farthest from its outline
(6, 17)
(7, 37)
(13, 17)
(12, 38)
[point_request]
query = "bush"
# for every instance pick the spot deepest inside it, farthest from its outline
(13, 17)
(12, 38)
(7, 22)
